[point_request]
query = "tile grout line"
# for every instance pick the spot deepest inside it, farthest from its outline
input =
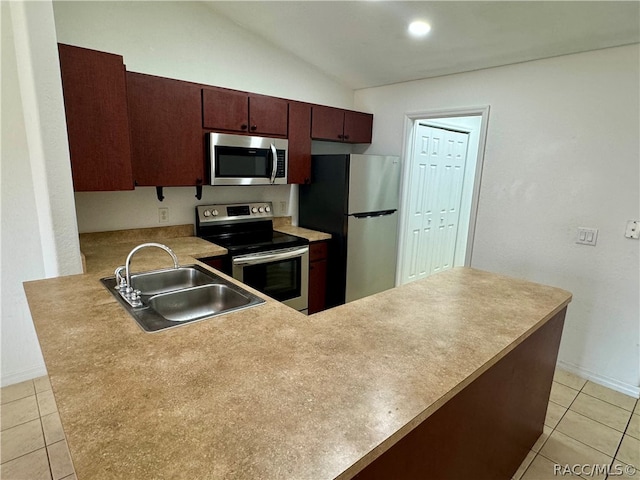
(33, 419)
(26, 421)
(46, 450)
(625, 432)
(539, 452)
(552, 430)
(604, 424)
(597, 398)
(609, 403)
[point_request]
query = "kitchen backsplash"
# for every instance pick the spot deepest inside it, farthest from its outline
(139, 208)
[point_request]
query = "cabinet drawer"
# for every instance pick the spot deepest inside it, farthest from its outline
(318, 251)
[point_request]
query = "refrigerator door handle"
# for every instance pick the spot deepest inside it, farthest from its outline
(381, 213)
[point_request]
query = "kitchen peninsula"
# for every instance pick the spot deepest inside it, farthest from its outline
(269, 393)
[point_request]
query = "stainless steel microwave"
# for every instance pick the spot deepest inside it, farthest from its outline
(245, 160)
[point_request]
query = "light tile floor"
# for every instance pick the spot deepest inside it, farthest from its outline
(586, 424)
(32, 442)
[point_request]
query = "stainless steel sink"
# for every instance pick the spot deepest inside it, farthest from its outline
(176, 296)
(162, 281)
(198, 302)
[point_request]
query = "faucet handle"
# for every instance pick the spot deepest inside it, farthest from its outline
(121, 282)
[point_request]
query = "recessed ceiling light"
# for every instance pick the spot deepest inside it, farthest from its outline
(419, 28)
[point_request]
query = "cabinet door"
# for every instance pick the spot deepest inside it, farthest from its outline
(166, 132)
(225, 110)
(95, 102)
(268, 116)
(216, 262)
(357, 127)
(318, 252)
(317, 286)
(327, 123)
(299, 143)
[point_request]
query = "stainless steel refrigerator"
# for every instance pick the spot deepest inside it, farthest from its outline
(355, 199)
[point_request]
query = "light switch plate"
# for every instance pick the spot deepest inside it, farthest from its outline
(587, 236)
(633, 229)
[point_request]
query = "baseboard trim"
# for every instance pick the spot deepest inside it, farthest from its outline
(613, 384)
(23, 376)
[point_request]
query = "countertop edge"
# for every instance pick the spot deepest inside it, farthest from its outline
(434, 407)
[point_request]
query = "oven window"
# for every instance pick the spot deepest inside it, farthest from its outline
(234, 162)
(280, 280)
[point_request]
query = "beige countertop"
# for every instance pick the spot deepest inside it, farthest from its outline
(283, 224)
(104, 251)
(266, 392)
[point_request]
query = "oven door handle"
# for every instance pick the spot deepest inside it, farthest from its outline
(260, 258)
(274, 163)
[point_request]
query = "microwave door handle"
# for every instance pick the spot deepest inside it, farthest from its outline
(274, 162)
(271, 257)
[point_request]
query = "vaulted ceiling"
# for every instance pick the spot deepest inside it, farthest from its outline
(365, 43)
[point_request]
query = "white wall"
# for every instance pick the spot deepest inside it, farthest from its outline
(39, 235)
(562, 152)
(187, 41)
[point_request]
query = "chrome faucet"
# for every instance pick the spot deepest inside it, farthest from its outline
(124, 286)
(140, 247)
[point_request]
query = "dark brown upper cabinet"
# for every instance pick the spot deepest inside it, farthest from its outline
(357, 127)
(167, 145)
(337, 125)
(233, 111)
(299, 143)
(95, 101)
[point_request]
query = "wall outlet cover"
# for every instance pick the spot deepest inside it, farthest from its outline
(163, 215)
(633, 229)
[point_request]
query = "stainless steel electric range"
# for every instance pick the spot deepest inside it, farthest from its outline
(274, 263)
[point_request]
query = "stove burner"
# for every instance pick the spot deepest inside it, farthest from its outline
(241, 245)
(242, 228)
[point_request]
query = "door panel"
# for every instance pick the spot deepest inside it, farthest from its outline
(371, 255)
(327, 123)
(435, 193)
(357, 127)
(268, 115)
(165, 119)
(95, 101)
(374, 183)
(225, 110)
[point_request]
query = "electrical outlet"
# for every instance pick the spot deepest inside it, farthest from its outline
(283, 208)
(633, 229)
(587, 236)
(163, 215)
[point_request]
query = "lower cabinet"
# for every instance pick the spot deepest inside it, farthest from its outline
(317, 276)
(219, 263)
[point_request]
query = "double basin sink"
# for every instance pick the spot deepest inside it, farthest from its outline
(175, 296)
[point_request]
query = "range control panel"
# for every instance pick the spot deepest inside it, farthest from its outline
(237, 212)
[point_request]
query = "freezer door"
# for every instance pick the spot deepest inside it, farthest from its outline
(371, 255)
(374, 183)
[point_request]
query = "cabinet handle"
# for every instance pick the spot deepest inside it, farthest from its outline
(346, 137)
(253, 127)
(243, 126)
(340, 137)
